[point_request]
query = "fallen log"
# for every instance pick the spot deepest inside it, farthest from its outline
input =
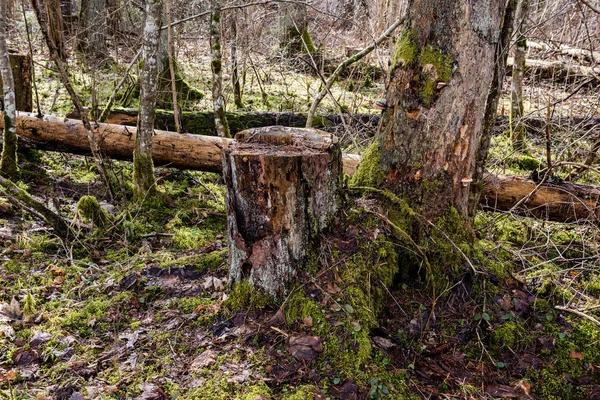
(559, 201)
(563, 202)
(559, 69)
(203, 123)
(564, 50)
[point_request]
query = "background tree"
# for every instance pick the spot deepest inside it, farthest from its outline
(92, 32)
(143, 167)
(294, 36)
(517, 125)
(216, 66)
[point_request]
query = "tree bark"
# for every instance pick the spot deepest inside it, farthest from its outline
(8, 163)
(92, 30)
(143, 168)
(517, 128)
(441, 73)
(216, 66)
(203, 153)
(282, 192)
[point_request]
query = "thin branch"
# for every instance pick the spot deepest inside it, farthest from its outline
(340, 68)
(591, 6)
(581, 314)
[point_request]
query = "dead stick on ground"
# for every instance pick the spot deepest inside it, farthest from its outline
(581, 314)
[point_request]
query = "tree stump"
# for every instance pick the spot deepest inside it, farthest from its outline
(21, 68)
(282, 192)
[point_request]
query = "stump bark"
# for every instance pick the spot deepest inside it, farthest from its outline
(282, 192)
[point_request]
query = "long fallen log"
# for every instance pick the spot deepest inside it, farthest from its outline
(559, 69)
(563, 202)
(203, 123)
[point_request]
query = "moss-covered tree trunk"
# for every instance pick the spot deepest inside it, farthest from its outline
(294, 37)
(517, 127)
(441, 73)
(8, 163)
(282, 192)
(143, 167)
(216, 66)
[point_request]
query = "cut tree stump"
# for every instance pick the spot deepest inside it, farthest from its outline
(282, 192)
(21, 68)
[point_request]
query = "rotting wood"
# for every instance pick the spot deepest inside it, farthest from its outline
(282, 191)
(565, 202)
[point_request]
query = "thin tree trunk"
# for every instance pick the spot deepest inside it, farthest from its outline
(172, 67)
(143, 167)
(63, 71)
(517, 128)
(216, 67)
(8, 163)
(491, 105)
(235, 74)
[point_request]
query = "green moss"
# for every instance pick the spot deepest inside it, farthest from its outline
(524, 163)
(89, 210)
(369, 171)
(406, 51)
(305, 392)
(244, 296)
(435, 67)
(307, 42)
(259, 391)
(511, 336)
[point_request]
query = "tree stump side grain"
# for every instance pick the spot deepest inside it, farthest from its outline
(282, 192)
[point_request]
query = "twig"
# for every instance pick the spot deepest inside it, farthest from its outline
(342, 67)
(579, 313)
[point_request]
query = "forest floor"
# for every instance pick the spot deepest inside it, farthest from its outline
(141, 308)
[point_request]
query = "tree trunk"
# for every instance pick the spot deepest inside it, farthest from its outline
(143, 168)
(557, 70)
(203, 153)
(22, 67)
(55, 26)
(8, 163)
(294, 37)
(92, 30)
(296, 174)
(235, 73)
(216, 66)
(517, 128)
(441, 72)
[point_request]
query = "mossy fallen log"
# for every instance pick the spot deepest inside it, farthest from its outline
(558, 201)
(203, 123)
